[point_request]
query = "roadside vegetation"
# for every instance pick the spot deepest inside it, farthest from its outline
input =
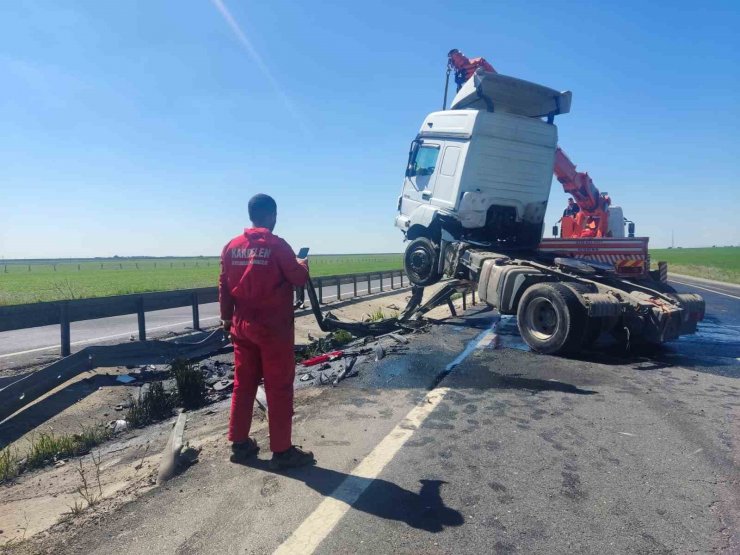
(52, 280)
(718, 263)
(47, 448)
(154, 405)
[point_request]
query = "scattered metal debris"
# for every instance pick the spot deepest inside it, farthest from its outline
(348, 365)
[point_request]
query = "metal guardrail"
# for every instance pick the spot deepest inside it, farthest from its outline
(24, 316)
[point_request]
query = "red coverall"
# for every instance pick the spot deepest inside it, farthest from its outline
(258, 272)
(465, 67)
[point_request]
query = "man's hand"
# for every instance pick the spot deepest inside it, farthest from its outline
(303, 262)
(226, 325)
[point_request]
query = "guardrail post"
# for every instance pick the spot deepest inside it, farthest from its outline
(472, 295)
(465, 298)
(381, 281)
(354, 284)
(321, 294)
(196, 312)
(339, 289)
(369, 284)
(141, 318)
(64, 328)
(392, 285)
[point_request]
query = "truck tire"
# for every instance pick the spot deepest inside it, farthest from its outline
(421, 262)
(551, 320)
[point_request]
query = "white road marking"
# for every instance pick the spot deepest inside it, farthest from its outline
(705, 289)
(307, 537)
(104, 337)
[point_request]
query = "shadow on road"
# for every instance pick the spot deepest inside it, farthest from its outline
(424, 510)
(498, 381)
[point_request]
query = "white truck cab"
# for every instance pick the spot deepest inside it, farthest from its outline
(480, 172)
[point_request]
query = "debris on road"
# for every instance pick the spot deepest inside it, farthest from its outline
(348, 365)
(118, 425)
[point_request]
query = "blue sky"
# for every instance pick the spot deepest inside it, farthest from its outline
(143, 127)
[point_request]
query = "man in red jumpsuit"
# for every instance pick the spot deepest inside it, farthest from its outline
(258, 273)
(465, 67)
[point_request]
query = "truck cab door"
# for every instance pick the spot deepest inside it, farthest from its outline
(418, 185)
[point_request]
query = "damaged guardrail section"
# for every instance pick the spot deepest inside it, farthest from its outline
(30, 387)
(62, 313)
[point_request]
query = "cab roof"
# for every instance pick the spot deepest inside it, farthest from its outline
(494, 92)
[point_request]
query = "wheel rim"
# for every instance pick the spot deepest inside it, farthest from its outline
(420, 263)
(541, 318)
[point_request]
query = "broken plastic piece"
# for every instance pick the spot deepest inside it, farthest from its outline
(326, 357)
(119, 426)
(223, 384)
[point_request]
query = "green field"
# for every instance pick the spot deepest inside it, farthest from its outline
(720, 263)
(52, 280)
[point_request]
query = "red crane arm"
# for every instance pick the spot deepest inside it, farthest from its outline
(575, 183)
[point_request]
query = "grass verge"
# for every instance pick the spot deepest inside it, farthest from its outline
(47, 448)
(717, 263)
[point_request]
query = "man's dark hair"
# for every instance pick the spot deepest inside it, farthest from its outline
(261, 207)
(451, 52)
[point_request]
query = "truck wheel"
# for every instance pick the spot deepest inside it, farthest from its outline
(421, 262)
(551, 320)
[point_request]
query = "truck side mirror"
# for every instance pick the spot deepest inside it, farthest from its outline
(410, 165)
(631, 229)
(554, 231)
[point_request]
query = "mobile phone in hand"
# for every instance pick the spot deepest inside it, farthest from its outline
(303, 253)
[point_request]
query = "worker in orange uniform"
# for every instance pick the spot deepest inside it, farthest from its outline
(258, 273)
(591, 229)
(465, 67)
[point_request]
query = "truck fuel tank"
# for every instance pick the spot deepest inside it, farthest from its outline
(502, 285)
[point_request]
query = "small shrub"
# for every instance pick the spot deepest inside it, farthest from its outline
(191, 386)
(318, 347)
(10, 464)
(154, 405)
(377, 315)
(342, 337)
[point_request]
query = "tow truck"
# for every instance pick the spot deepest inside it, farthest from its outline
(472, 209)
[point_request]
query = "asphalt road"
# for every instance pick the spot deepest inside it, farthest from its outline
(37, 345)
(469, 443)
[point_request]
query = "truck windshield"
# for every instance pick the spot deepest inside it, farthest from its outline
(426, 160)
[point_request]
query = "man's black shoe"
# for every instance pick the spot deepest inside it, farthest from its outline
(292, 458)
(244, 450)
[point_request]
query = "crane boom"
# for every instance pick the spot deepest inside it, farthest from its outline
(593, 218)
